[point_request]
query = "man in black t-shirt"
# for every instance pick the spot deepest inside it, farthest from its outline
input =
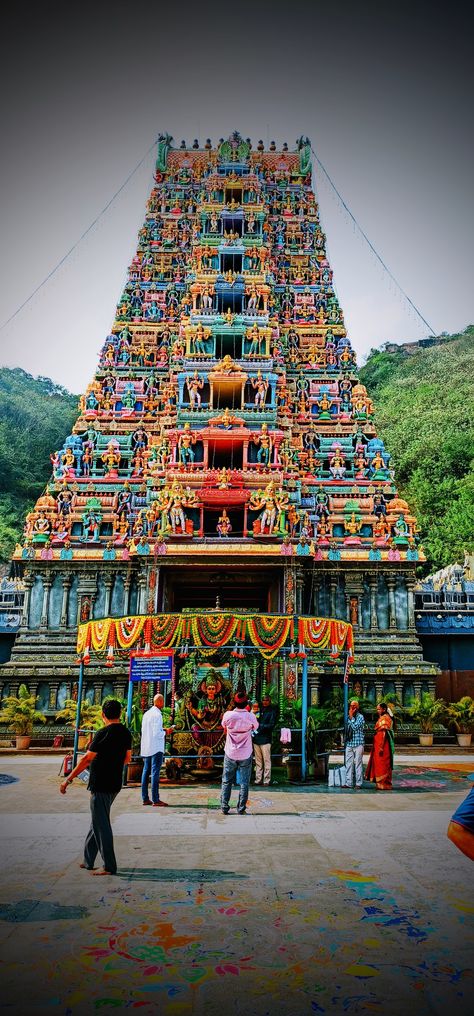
(109, 751)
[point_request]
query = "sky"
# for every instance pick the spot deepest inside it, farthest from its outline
(384, 91)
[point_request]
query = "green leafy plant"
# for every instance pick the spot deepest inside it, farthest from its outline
(90, 719)
(20, 713)
(426, 711)
(460, 715)
(321, 731)
(421, 412)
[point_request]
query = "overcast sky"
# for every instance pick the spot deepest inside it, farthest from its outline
(385, 96)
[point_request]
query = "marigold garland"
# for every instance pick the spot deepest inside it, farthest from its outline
(269, 633)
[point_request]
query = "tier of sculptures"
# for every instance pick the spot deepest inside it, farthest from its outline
(226, 402)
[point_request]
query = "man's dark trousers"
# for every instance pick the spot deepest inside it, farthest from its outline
(100, 839)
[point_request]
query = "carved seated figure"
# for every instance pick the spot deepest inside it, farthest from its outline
(323, 532)
(352, 526)
(336, 465)
(402, 532)
(381, 531)
(111, 458)
(378, 469)
(360, 466)
(41, 528)
(223, 525)
(324, 407)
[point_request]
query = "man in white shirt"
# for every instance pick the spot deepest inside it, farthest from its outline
(152, 749)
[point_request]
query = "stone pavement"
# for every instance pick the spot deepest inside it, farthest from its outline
(316, 901)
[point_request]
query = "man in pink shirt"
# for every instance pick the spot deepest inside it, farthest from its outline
(238, 724)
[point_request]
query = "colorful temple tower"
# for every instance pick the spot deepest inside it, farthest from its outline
(225, 451)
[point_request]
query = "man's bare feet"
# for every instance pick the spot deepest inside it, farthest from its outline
(86, 866)
(101, 872)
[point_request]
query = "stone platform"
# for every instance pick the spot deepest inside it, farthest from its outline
(316, 901)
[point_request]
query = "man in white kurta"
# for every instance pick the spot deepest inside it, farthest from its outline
(152, 749)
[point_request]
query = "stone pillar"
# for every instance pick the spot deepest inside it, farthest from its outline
(417, 687)
(392, 617)
(333, 588)
(374, 621)
(378, 690)
(142, 591)
(316, 596)
(353, 594)
(86, 587)
(290, 591)
(410, 582)
(67, 578)
(299, 591)
(314, 689)
(47, 581)
(399, 690)
(29, 582)
(108, 583)
(126, 593)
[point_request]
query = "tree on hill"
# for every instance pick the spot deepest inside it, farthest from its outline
(424, 406)
(36, 416)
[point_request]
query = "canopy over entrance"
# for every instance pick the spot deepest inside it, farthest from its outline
(210, 631)
(214, 632)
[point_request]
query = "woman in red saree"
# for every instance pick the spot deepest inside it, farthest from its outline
(380, 764)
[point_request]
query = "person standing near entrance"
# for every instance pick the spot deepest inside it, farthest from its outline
(262, 742)
(109, 751)
(238, 724)
(355, 746)
(152, 750)
(380, 764)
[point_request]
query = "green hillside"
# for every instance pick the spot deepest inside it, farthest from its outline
(424, 405)
(35, 416)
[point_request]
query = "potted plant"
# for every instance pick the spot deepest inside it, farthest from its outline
(321, 732)
(461, 717)
(20, 712)
(135, 767)
(91, 719)
(426, 710)
(290, 716)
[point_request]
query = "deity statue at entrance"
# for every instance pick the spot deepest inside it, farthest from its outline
(203, 708)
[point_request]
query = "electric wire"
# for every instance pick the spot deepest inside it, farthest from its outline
(372, 248)
(81, 238)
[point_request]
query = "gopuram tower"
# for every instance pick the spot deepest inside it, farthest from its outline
(225, 452)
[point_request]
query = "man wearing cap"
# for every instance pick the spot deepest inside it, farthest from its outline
(354, 745)
(238, 724)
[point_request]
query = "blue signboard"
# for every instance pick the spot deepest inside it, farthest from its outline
(151, 668)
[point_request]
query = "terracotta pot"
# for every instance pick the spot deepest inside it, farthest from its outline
(464, 740)
(134, 771)
(426, 740)
(293, 770)
(23, 741)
